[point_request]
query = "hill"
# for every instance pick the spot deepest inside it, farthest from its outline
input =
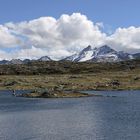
(66, 67)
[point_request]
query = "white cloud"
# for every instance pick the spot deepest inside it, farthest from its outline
(4, 55)
(127, 39)
(35, 53)
(7, 40)
(62, 37)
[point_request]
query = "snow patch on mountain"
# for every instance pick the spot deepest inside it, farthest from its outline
(101, 54)
(87, 56)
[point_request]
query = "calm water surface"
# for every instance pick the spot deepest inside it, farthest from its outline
(92, 118)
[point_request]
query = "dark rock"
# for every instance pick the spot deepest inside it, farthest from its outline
(10, 83)
(137, 78)
(115, 83)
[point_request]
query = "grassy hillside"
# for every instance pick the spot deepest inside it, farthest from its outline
(37, 68)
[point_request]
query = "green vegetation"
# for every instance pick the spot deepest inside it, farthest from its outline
(63, 67)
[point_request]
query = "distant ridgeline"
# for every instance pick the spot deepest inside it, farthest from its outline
(89, 60)
(88, 54)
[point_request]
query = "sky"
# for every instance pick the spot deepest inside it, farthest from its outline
(59, 28)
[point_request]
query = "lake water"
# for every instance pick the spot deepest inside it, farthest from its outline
(91, 118)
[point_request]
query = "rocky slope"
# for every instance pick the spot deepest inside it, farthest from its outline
(101, 54)
(25, 61)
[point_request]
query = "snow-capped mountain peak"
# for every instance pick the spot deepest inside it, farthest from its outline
(85, 54)
(104, 50)
(14, 61)
(101, 54)
(88, 48)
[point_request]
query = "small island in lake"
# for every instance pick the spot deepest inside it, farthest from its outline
(55, 94)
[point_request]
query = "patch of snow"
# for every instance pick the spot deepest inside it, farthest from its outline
(87, 56)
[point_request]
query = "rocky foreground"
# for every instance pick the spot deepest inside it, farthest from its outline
(71, 76)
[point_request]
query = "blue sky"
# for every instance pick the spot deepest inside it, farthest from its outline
(113, 13)
(67, 26)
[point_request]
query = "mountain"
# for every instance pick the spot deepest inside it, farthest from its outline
(136, 56)
(3, 62)
(101, 54)
(15, 61)
(25, 61)
(84, 55)
(45, 58)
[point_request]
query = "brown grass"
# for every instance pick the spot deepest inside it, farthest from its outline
(73, 81)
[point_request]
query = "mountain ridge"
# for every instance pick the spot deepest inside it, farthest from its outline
(101, 54)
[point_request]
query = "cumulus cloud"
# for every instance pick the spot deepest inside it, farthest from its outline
(64, 32)
(62, 37)
(35, 53)
(4, 55)
(7, 39)
(127, 39)
(66, 35)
